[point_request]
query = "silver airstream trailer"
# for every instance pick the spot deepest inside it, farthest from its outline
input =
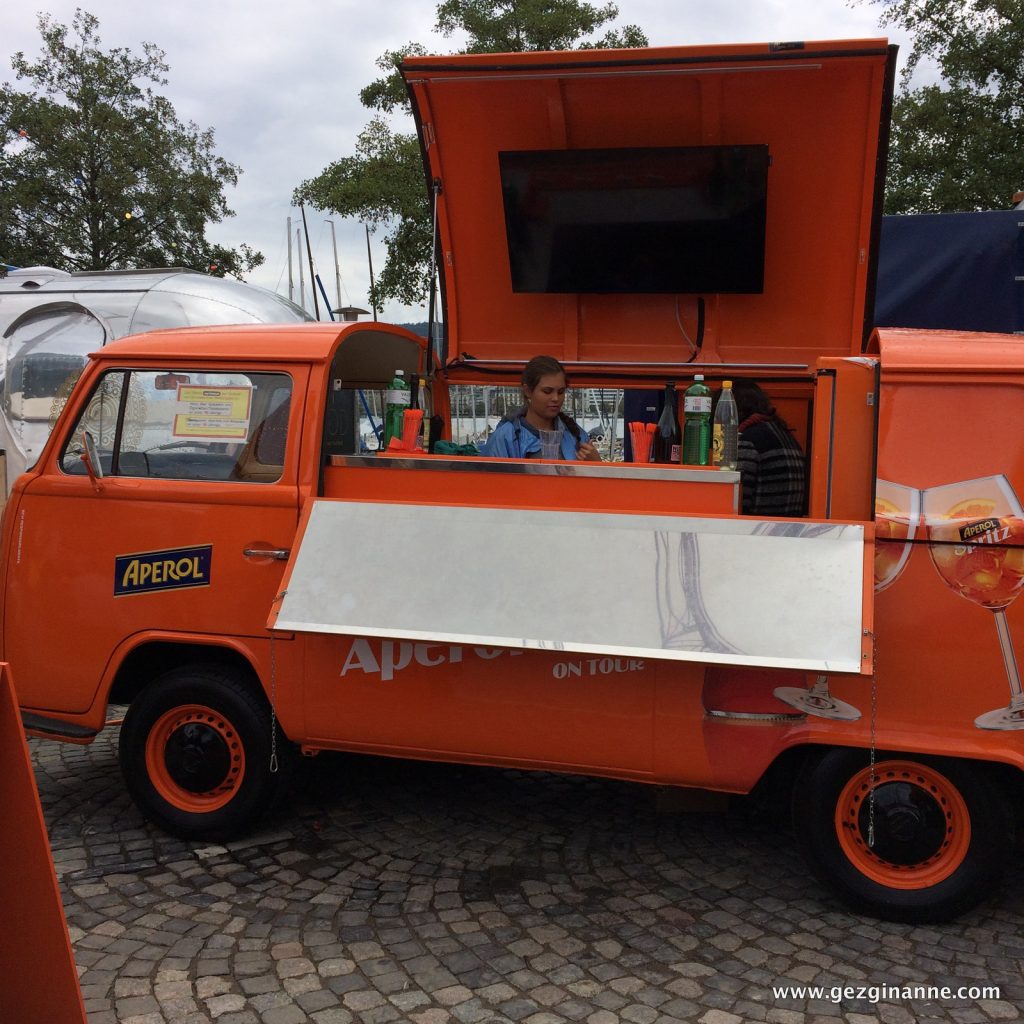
(50, 320)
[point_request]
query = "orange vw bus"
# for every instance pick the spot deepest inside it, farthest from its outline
(234, 568)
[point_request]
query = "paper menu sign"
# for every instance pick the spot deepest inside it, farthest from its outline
(213, 413)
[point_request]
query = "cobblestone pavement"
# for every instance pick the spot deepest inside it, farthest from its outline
(398, 891)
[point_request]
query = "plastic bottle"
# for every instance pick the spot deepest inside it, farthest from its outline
(396, 401)
(725, 435)
(666, 435)
(697, 422)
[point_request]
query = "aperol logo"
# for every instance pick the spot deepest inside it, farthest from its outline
(978, 529)
(173, 569)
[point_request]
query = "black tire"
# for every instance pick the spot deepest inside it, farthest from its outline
(195, 751)
(942, 828)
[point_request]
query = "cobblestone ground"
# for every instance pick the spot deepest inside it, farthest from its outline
(397, 891)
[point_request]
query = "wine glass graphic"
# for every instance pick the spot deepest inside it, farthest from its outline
(897, 511)
(976, 542)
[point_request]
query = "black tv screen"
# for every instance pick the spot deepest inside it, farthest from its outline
(682, 219)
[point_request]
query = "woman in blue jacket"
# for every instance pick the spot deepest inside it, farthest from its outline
(517, 436)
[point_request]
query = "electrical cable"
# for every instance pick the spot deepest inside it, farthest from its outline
(699, 344)
(682, 329)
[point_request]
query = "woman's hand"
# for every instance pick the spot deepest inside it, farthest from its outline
(586, 452)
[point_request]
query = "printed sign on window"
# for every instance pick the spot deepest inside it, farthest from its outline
(213, 413)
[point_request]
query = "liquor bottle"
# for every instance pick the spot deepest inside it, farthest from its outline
(396, 401)
(423, 403)
(725, 435)
(697, 422)
(666, 434)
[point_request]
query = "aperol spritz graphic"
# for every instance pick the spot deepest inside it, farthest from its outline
(897, 512)
(976, 542)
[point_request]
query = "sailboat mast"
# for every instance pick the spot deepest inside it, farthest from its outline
(291, 283)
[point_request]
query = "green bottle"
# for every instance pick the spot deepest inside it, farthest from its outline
(396, 401)
(696, 422)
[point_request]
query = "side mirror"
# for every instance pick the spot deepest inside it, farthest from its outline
(91, 458)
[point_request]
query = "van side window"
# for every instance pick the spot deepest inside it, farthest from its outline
(186, 424)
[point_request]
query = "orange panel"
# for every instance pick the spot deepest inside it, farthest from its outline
(38, 981)
(570, 493)
(963, 352)
(951, 409)
(484, 705)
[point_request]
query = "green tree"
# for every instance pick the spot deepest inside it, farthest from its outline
(383, 184)
(511, 26)
(96, 170)
(956, 145)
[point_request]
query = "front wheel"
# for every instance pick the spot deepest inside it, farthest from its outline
(195, 752)
(915, 838)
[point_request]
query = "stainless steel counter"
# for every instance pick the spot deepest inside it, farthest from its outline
(538, 467)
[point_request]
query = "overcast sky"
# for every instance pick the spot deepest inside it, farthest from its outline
(279, 84)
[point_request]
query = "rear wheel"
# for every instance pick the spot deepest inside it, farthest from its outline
(931, 844)
(195, 752)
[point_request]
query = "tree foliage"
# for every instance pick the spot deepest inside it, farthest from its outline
(956, 145)
(96, 170)
(511, 26)
(383, 183)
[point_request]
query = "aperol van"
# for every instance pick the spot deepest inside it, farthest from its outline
(236, 570)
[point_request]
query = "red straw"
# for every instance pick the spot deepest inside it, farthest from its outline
(411, 420)
(640, 434)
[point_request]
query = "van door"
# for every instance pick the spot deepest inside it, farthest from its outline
(845, 438)
(184, 532)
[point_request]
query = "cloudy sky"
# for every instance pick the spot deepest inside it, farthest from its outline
(279, 84)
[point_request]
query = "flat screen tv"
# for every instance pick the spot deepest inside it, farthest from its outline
(682, 219)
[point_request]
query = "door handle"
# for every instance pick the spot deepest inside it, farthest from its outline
(279, 554)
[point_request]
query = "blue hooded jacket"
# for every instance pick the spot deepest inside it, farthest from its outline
(514, 438)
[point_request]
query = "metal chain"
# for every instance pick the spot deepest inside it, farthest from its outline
(874, 737)
(273, 703)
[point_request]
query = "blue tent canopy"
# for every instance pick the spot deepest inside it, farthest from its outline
(953, 271)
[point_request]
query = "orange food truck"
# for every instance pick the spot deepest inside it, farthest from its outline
(202, 540)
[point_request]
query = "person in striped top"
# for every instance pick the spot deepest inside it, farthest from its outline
(773, 467)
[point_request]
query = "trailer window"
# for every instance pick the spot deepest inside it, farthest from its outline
(182, 424)
(45, 355)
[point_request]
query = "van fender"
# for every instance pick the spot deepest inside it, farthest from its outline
(959, 745)
(255, 652)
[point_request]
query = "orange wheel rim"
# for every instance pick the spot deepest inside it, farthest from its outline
(195, 758)
(922, 825)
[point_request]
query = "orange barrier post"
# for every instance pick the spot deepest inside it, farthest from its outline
(38, 981)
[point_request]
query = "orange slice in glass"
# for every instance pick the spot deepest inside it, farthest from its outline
(972, 508)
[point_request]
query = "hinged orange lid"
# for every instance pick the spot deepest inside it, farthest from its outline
(822, 111)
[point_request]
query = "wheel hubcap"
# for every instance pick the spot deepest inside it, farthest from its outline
(910, 826)
(922, 828)
(198, 758)
(195, 758)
